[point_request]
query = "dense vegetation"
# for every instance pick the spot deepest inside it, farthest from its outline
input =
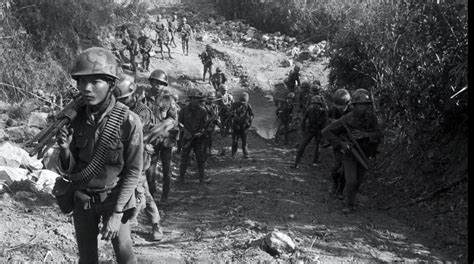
(412, 55)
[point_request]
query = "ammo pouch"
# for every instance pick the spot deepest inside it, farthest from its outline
(63, 191)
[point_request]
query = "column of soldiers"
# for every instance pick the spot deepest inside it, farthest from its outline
(141, 43)
(349, 125)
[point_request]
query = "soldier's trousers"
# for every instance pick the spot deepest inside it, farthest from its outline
(185, 44)
(308, 136)
(241, 133)
(86, 225)
(163, 153)
(354, 174)
(337, 172)
(207, 68)
(145, 60)
(283, 128)
(207, 146)
(197, 145)
(133, 62)
(146, 199)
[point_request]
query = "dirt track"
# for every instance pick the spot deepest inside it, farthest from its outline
(217, 222)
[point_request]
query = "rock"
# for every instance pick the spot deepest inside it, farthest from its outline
(305, 55)
(44, 180)
(9, 175)
(286, 63)
(4, 106)
(14, 156)
(265, 38)
(38, 119)
(277, 243)
(16, 134)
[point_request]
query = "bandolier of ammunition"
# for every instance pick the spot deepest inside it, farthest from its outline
(94, 167)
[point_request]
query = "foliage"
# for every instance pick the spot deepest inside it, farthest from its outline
(414, 56)
(40, 39)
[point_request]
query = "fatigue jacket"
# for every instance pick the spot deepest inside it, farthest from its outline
(145, 44)
(333, 131)
(242, 114)
(206, 58)
(123, 165)
(186, 31)
(193, 118)
(284, 111)
(314, 119)
(218, 78)
(173, 25)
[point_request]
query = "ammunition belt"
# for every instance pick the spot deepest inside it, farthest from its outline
(100, 154)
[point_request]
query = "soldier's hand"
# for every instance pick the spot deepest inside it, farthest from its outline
(357, 134)
(64, 137)
(112, 226)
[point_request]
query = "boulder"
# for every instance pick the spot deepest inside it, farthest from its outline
(265, 38)
(9, 175)
(44, 180)
(14, 156)
(51, 158)
(277, 243)
(38, 119)
(305, 55)
(16, 133)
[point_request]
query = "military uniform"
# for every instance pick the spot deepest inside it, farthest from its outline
(163, 39)
(173, 27)
(161, 150)
(213, 114)
(113, 190)
(132, 48)
(206, 59)
(217, 79)
(242, 117)
(285, 114)
(293, 80)
(193, 117)
(146, 45)
(224, 105)
(186, 31)
(313, 121)
(367, 125)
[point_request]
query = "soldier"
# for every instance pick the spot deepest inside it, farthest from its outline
(186, 33)
(284, 113)
(305, 96)
(218, 78)
(125, 92)
(132, 47)
(101, 152)
(360, 126)
(313, 121)
(193, 118)
(242, 117)
(145, 45)
(293, 79)
(224, 105)
(213, 116)
(163, 39)
(173, 27)
(164, 112)
(340, 106)
(206, 59)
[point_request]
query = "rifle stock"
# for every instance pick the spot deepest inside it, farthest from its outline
(355, 148)
(44, 138)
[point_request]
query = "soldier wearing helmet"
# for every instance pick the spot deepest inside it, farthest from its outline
(224, 104)
(206, 59)
(359, 125)
(145, 44)
(305, 96)
(162, 35)
(218, 78)
(284, 113)
(104, 188)
(193, 118)
(313, 122)
(242, 117)
(339, 107)
(164, 112)
(125, 92)
(186, 33)
(213, 115)
(133, 49)
(173, 27)
(293, 79)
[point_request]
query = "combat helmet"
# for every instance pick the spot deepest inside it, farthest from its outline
(341, 98)
(290, 95)
(244, 97)
(361, 96)
(125, 86)
(95, 61)
(211, 95)
(195, 93)
(223, 87)
(317, 99)
(305, 85)
(160, 76)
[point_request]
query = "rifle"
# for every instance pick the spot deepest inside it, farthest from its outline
(355, 148)
(202, 131)
(45, 136)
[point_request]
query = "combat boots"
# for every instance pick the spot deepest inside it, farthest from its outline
(157, 233)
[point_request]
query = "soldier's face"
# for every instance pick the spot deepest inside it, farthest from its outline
(94, 89)
(361, 109)
(156, 87)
